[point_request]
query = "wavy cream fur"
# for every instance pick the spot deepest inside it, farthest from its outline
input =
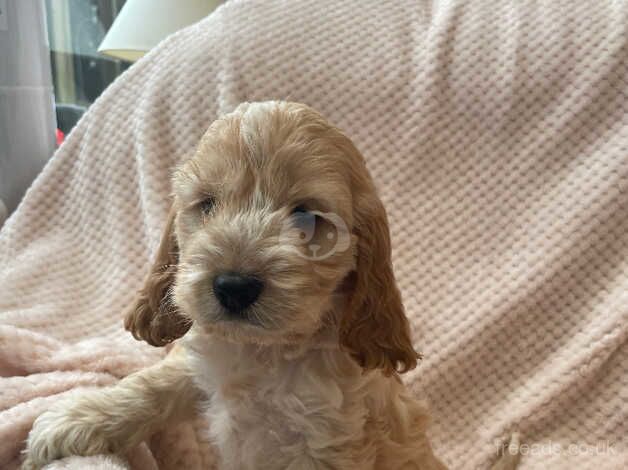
(310, 379)
(311, 407)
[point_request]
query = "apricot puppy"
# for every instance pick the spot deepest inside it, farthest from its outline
(275, 268)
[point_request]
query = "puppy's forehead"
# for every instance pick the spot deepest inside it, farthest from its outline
(280, 150)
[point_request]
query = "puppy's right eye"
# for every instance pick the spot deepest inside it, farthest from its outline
(207, 204)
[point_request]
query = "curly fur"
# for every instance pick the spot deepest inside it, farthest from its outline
(309, 378)
(153, 317)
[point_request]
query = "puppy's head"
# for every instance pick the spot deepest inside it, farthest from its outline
(275, 233)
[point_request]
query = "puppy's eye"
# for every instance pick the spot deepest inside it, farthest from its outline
(305, 222)
(207, 204)
(300, 209)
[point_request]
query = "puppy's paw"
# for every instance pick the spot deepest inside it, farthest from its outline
(64, 431)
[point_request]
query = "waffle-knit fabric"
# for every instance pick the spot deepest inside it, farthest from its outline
(497, 133)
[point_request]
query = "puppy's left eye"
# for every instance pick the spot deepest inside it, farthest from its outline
(301, 215)
(207, 204)
(305, 222)
(300, 209)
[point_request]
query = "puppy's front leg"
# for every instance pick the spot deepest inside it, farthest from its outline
(117, 418)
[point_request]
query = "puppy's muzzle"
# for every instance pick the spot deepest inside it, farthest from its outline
(236, 291)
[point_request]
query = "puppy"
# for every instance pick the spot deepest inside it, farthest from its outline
(275, 265)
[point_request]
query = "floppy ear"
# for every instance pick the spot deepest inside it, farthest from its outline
(153, 317)
(375, 329)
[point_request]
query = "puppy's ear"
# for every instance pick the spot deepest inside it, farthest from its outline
(153, 316)
(375, 329)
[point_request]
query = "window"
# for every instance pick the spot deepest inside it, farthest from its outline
(79, 72)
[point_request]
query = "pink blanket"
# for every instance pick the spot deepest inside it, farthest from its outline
(498, 135)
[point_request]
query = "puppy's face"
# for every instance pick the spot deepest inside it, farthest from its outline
(262, 214)
(275, 233)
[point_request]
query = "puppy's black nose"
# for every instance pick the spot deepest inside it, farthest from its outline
(236, 291)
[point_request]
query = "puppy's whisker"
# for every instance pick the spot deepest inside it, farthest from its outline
(193, 276)
(264, 321)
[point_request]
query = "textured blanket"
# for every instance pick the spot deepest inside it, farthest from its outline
(497, 133)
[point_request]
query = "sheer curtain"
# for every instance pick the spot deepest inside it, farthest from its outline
(50, 72)
(27, 119)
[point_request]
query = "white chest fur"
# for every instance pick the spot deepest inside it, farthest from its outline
(312, 409)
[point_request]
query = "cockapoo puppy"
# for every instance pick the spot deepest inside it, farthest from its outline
(275, 264)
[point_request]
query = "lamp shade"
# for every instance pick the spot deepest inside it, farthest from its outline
(141, 24)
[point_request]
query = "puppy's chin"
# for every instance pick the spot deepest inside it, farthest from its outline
(243, 332)
(292, 327)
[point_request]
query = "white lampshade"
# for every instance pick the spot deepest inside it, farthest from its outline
(141, 24)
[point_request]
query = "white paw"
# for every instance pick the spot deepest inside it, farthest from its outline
(67, 429)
